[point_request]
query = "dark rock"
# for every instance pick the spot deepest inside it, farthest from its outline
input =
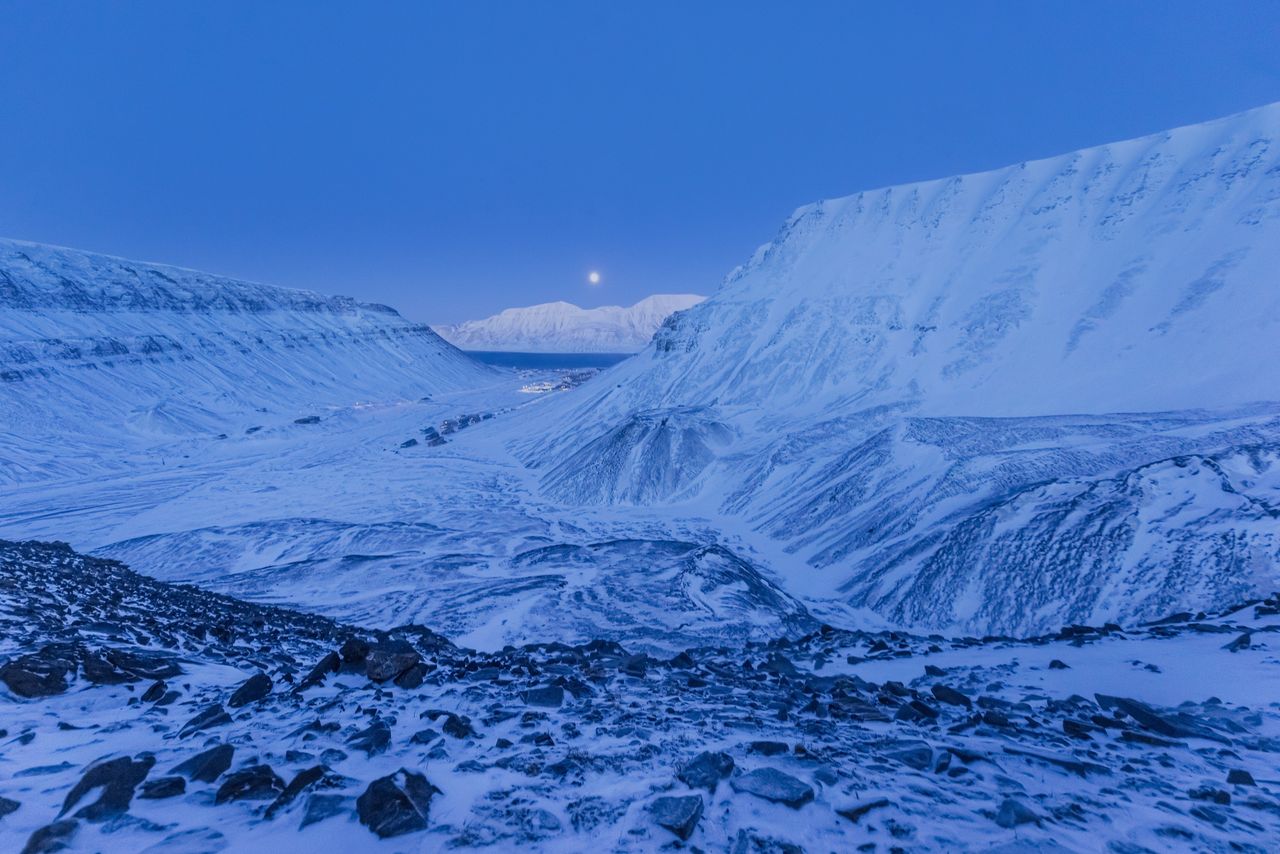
(144, 664)
(251, 690)
(354, 651)
(52, 837)
(914, 754)
(7, 806)
(389, 659)
(320, 807)
(934, 670)
(208, 765)
(163, 787)
(768, 748)
(547, 696)
(412, 678)
(678, 814)
(396, 804)
(706, 770)
(117, 778)
(1207, 793)
(307, 419)
(42, 674)
(774, 785)
(1057, 664)
(1013, 813)
(427, 736)
(102, 672)
(317, 776)
(1239, 777)
(210, 717)
(950, 696)
(329, 664)
(1177, 725)
(1241, 643)
(858, 810)
(374, 739)
(916, 711)
(255, 783)
(409, 443)
(458, 726)
(155, 692)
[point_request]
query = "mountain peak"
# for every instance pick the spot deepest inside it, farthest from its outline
(562, 327)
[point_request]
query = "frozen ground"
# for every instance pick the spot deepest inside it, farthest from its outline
(1152, 738)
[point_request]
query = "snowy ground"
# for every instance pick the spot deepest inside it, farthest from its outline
(1094, 739)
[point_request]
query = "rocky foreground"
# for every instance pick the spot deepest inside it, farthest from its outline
(138, 716)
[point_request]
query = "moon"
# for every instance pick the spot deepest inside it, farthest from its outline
(594, 277)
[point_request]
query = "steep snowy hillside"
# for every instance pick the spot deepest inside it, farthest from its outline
(1000, 402)
(561, 327)
(102, 354)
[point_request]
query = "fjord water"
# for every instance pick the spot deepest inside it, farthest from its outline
(547, 361)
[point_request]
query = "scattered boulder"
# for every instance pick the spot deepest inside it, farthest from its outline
(775, 786)
(41, 674)
(1177, 725)
(155, 692)
(251, 690)
(317, 776)
(208, 718)
(320, 807)
(678, 814)
(858, 810)
(706, 770)
(547, 696)
(396, 804)
(389, 659)
(255, 783)
(354, 651)
(52, 837)
(163, 787)
(950, 696)
(1241, 643)
(7, 806)
(117, 778)
(208, 765)
(331, 663)
(1013, 813)
(1235, 777)
(373, 739)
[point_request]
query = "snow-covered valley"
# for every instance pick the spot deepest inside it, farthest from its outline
(992, 405)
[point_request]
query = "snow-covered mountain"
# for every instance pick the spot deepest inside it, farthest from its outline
(562, 327)
(99, 354)
(998, 402)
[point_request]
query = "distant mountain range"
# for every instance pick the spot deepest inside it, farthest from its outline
(562, 327)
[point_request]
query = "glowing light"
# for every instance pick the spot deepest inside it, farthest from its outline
(594, 277)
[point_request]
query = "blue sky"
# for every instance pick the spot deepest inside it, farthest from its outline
(452, 159)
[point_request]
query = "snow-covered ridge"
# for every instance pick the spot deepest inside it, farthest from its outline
(903, 375)
(562, 327)
(102, 351)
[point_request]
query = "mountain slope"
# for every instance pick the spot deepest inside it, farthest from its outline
(105, 352)
(561, 327)
(913, 390)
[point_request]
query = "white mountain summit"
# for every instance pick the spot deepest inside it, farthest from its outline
(562, 327)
